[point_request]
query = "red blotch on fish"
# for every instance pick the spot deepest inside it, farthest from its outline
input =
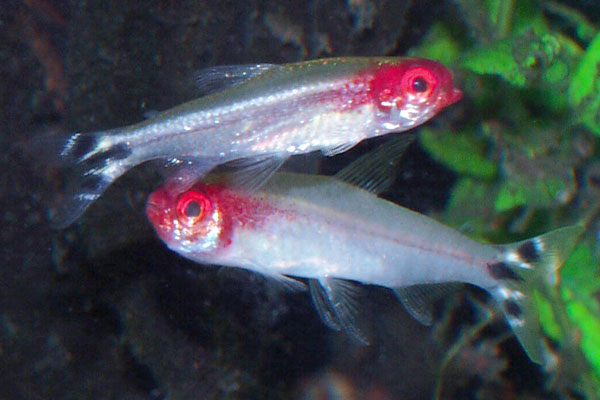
(166, 209)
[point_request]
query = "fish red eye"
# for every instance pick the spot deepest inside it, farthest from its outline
(193, 206)
(193, 209)
(420, 85)
(419, 81)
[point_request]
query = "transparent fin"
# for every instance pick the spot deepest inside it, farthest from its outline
(84, 164)
(212, 79)
(419, 300)
(335, 301)
(322, 304)
(251, 173)
(332, 151)
(149, 114)
(280, 281)
(528, 266)
(376, 170)
(288, 283)
(188, 173)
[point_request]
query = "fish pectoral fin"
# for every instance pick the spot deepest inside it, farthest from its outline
(341, 148)
(219, 77)
(336, 304)
(188, 172)
(282, 281)
(288, 283)
(251, 173)
(419, 300)
(376, 170)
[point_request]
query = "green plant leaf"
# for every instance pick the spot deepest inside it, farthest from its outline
(462, 152)
(588, 321)
(580, 271)
(496, 59)
(543, 192)
(438, 45)
(469, 205)
(547, 318)
(590, 113)
(584, 80)
(584, 29)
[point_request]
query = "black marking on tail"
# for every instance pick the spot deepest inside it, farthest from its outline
(501, 270)
(529, 251)
(81, 145)
(119, 151)
(513, 309)
(93, 184)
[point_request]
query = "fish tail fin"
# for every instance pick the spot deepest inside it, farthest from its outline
(526, 267)
(83, 165)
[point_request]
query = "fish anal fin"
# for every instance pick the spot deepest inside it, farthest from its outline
(337, 305)
(420, 300)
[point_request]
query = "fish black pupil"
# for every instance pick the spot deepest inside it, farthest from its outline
(419, 85)
(192, 209)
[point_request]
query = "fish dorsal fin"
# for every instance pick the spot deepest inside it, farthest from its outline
(375, 171)
(215, 78)
(419, 300)
(251, 173)
(336, 303)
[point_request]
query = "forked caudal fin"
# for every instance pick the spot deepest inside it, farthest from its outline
(525, 267)
(86, 163)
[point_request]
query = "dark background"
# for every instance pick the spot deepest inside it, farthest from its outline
(102, 310)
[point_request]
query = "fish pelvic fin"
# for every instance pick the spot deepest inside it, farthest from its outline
(336, 302)
(84, 165)
(526, 267)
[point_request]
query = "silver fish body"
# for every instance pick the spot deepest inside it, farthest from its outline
(332, 232)
(328, 105)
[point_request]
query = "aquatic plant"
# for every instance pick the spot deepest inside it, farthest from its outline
(524, 152)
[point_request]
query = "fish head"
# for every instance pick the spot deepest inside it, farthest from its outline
(189, 222)
(409, 92)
